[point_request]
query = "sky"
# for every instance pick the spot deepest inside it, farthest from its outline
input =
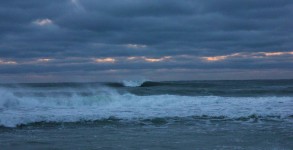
(113, 40)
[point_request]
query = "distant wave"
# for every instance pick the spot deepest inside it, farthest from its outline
(18, 110)
(208, 88)
(147, 83)
(127, 83)
(133, 83)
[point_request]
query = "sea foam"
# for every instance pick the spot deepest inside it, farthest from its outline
(16, 110)
(133, 83)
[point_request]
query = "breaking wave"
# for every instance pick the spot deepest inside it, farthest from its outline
(99, 105)
(133, 83)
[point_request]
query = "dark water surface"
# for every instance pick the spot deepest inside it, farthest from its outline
(215, 135)
(255, 114)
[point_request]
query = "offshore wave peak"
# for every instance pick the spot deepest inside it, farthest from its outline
(133, 83)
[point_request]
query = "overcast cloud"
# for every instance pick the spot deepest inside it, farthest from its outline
(102, 40)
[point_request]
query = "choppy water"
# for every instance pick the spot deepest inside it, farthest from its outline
(256, 114)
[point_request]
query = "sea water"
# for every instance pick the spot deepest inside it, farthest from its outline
(254, 114)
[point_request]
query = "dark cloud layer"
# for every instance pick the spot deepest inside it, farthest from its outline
(73, 33)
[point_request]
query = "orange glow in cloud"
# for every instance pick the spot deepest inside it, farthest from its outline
(277, 53)
(156, 59)
(245, 55)
(215, 58)
(105, 60)
(220, 58)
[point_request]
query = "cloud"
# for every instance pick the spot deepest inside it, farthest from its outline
(135, 46)
(43, 22)
(147, 59)
(246, 55)
(2, 62)
(105, 60)
(277, 53)
(156, 59)
(77, 4)
(187, 34)
(44, 60)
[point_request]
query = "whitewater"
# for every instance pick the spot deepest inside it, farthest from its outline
(252, 114)
(103, 103)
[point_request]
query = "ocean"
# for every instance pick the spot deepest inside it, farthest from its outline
(246, 114)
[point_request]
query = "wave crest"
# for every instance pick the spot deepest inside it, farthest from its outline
(133, 83)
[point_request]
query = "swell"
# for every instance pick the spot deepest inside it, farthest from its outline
(155, 121)
(248, 88)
